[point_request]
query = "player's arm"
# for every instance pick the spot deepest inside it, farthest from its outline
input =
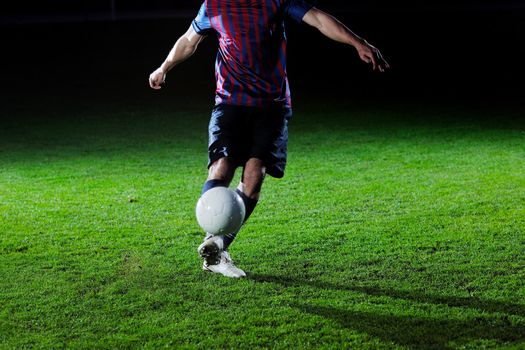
(335, 30)
(183, 49)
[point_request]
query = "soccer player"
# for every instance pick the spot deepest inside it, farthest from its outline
(249, 123)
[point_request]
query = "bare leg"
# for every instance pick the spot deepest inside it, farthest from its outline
(220, 173)
(223, 170)
(252, 178)
(249, 189)
(214, 249)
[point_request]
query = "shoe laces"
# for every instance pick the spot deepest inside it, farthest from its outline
(228, 263)
(226, 257)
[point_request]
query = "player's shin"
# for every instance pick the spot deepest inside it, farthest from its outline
(249, 205)
(208, 185)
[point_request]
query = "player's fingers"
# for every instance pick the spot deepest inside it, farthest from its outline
(364, 57)
(382, 60)
(381, 66)
(154, 84)
(379, 58)
(159, 80)
(374, 62)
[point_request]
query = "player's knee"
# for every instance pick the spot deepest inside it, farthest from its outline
(222, 169)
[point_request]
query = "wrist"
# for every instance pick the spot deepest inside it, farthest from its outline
(164, 67)
(359, 43)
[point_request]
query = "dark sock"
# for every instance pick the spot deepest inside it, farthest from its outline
(211, 184)
(249, 205)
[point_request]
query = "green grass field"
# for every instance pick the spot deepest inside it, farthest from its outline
(394, 228)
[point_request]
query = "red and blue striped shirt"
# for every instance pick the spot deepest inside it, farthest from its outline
(251, 63)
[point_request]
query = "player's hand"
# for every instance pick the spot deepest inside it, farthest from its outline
(156, 79)
(372, 55)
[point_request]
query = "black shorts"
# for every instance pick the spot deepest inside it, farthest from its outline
(242, 132)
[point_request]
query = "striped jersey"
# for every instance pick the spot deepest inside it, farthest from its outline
(250, 69)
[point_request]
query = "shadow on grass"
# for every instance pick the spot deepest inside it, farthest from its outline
(414, 332)
(419, 333)
(463, 302)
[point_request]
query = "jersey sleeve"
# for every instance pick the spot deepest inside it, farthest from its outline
(296, 9)
(202, 23)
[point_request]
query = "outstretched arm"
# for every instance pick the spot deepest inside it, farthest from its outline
(183, 49)
(335, 30)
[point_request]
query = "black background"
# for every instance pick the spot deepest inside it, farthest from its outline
(56, 6)
(462, 52)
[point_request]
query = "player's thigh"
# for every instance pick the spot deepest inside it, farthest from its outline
(225, 132)
(268, 127)
(271, 144)
(224, 124)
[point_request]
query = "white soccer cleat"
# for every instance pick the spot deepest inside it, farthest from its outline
(210, 250)
(225, 267)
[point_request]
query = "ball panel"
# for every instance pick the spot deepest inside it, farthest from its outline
(220, 211)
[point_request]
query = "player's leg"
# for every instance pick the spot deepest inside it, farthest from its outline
(268, 155)
(252, 178)
(249, 189)
(224, 126)
(267, 131)
(223, 152)
(220, 173)
(213, 249)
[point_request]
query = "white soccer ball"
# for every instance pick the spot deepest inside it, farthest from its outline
(220, 211)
